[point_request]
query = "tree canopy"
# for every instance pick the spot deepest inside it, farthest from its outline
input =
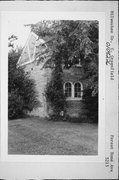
(75, 41)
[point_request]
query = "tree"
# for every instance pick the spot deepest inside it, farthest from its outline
(22, 96)
(11, 40)
(54, 90)
(75, 41)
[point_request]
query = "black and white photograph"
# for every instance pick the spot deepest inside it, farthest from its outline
(53, 87)
(58, 90)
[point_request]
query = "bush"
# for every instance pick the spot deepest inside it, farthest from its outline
(22, 96)
(55, 93)
(15, 105)
(91, 103)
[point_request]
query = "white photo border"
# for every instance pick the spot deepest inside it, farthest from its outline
(88, 168)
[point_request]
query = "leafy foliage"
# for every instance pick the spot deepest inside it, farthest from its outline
(75, 41)
(22, 96)
(92, 105)
(11, 39)
(54, 90)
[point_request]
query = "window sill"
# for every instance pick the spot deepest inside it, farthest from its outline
(74, 99)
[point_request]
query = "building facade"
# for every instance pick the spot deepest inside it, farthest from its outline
(40, 70)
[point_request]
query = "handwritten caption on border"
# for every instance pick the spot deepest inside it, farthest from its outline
(110, 48)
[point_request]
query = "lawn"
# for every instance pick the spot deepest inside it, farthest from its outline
(40, 136)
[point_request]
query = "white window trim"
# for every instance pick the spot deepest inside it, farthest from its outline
(81, 87)
(71, 88)
(72, 92)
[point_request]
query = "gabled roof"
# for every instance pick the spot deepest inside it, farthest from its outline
(33, 49)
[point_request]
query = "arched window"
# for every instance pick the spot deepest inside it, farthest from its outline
(68, 89)
(77, 90)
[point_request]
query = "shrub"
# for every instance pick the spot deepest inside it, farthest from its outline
(15, 105)
(54, 92)
(22, 96)
(91, 103)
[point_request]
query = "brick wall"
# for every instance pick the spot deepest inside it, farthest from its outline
(42, 76)
(75, 108)
(73, 74)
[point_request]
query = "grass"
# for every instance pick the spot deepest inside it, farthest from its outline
(40, 136)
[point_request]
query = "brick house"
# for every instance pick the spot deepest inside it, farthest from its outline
(36, 62)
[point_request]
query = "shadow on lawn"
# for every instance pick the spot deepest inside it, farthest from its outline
(81, 119)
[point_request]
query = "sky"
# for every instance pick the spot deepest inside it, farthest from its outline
(17, 20)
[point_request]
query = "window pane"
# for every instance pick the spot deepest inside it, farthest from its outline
(77, 90)
(68, 89)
